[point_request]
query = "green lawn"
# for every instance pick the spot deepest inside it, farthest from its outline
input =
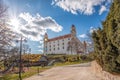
(30, 72)
(33, 71)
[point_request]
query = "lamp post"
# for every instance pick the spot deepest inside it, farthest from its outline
(29, 57)
(20, 58)
(20, 63)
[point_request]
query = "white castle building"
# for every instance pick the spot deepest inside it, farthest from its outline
(66, 44)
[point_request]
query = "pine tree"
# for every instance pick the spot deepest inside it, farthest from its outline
(107, 40)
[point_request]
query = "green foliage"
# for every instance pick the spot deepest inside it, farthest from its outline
(107, 40)
(70, 58)
(32, 71)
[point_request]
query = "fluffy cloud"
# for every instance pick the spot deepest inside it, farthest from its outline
(102, 9)
(83, 36)
(87, 35)
(41, 44)
(86, 7)
(34, 27)
(92, 29)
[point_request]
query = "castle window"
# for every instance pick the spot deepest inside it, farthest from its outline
(50, 49)
(58, 48)
(54, 49)
(63, 43)
(58, 44)
(63, 40)
(68, 38)
(63, 47)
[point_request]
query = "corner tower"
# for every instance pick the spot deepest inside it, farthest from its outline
(73, 31)
(45, 37)
(45, 42)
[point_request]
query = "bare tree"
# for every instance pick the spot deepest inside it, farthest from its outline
(6, 35)
(75, 46)
(89, 41)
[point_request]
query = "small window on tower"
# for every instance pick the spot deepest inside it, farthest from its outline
(63, 47)
(58, 48)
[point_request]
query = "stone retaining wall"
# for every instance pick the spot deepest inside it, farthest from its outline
(100, 73)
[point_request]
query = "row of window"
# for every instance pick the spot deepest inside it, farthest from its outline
(56, 49)
(55, 46)
(58, 41)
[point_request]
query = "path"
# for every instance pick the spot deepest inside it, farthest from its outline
(71, 72)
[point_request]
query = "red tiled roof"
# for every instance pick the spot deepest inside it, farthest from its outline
(60, 37)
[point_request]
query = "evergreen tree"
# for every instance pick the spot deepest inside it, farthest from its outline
(107, 40)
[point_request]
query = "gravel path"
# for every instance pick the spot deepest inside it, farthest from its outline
(71, 72)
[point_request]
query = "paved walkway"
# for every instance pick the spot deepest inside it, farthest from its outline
(72, 72)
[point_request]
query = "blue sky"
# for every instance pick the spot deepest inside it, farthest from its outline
(55, 17)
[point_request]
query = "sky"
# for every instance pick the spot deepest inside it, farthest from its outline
(33, 18)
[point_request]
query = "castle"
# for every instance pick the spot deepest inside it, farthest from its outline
(66, 44)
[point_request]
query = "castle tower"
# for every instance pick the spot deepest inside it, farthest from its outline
(45, 42)
(73, 31)
(45, 37)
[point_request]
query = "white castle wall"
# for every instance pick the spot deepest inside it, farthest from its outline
(58, 46)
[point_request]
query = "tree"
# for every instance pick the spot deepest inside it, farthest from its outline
(6, 38)
(75, 46)
(107, 40)
(6, 35)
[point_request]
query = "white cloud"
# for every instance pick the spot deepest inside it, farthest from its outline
(92, 29)
(102, 9)
(83, 36)
(34, 27)
(41, 44)
(40, 50)
(86, 36)
(86, 7)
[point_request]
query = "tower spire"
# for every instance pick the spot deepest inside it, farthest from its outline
(45, 37)
(73, 30)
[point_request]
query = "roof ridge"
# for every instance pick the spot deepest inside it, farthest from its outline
(60, 37)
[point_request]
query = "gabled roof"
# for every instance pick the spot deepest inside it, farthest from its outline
(60, 37)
